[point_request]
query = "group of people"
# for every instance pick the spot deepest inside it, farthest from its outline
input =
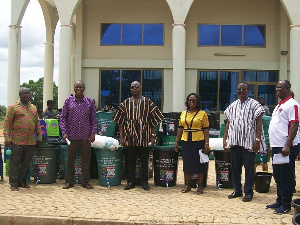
(137, 117)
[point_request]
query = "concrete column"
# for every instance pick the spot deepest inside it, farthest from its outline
(72, 72)
(178, 67)
(14, 61)
(48, 73)
(295, 59)
(64, 75)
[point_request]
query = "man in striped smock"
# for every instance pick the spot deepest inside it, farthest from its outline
(243, 135)
(137, 118)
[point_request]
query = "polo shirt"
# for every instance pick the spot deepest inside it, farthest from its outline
(285, 113)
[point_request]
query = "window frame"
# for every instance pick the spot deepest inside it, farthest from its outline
(142, 36)
(233, 46)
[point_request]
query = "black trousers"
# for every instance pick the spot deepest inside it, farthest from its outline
(284, 176)
(242, 157)
(85, 148)
(19, 163)
(131, 155)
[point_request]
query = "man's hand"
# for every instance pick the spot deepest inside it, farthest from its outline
(286, 150)
(256, 146)
(225, 145)
(92, 138)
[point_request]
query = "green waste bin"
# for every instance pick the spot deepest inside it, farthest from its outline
(165, 161)
(223, 169)
(109, 164)
(106, 127)
(77, 165)
(44, 164)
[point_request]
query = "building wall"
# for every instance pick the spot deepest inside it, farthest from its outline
(95, 57)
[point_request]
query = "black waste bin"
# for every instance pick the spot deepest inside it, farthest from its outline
(44, 164)
(296, 219)
(296, 205)
(223, 169)
(262, 181)
(170, 123)
(165, 165)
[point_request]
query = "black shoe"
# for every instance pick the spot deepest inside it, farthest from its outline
(145, 186)
(235, 194)
(68, 185)
(275, 205)
(248, 198)
(129, 186)
(282, 210)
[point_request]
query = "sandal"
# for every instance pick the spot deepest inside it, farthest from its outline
(199, 190)
(187, 188)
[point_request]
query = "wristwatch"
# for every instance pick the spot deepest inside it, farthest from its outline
(257, 139)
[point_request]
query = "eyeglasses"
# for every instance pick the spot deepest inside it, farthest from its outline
(192, 100)
(133, 87)
(241, 89)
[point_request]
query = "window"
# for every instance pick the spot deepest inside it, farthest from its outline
(231, 35)
(132, 34)
(115, 85)
(217, 89)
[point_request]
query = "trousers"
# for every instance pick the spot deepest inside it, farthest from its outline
(19, 163)
(242, 157)
(85, 149)
(132, 152)
(284, 176)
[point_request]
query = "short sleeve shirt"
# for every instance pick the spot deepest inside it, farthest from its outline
(200, 122)
(285, 113)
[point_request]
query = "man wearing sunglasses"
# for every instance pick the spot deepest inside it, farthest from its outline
(137, 118)
(244, 137)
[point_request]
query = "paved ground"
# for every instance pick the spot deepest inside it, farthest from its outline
(50, 204)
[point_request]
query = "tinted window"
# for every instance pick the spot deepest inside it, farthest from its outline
(228, 83)
(254, 35)
(110, 87)
(110, 34)
(208, 89)
(208, 34)
(132, 34)
(231, 35)
(153, 34)
(152, 83)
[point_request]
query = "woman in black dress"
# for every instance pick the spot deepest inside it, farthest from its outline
(193, 130)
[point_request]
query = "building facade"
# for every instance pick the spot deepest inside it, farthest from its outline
(173, 47)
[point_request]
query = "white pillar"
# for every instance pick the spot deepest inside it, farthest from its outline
(72, 72)
(48, 73)
(178, 67)
(14, 61)
(64, 76)
(295, 59)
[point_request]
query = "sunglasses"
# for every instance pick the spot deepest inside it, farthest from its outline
(241, 89)
(133, 87)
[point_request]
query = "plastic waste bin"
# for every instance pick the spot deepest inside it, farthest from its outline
(43, 126)
(296, 219)
(106, 127)
(170, 123)
(52, 127)
(44, 164)
(165, 166)
(109, 164)
(262, 181)
(296, 205)
(77, 165)
(223, 169)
